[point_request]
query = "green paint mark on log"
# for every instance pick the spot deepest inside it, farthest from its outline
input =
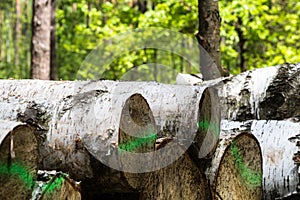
(19, 170)
(53, 185)
(205, 124)
(138, 142)
(251, 177)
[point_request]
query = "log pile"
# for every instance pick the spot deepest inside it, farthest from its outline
(150, 140)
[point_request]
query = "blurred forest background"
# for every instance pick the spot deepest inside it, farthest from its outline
(254, 34)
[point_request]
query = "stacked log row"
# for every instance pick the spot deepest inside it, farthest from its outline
(18, 160)
(80, 126)
(83, 126)
(265, 102)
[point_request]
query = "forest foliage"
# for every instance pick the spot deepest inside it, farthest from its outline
(253, 33)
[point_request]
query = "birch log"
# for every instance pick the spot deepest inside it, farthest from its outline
(236, 168)
(266, 102)
(18, 160)
(263, 94)
(280, 176)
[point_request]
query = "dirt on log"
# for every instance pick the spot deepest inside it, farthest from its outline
(18, 160)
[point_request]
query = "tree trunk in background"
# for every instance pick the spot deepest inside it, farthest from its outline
(142, 5)
(27, 40)
(40, 46)
(1, 36)
(209, 34)
(241, 44)
(53, 65)
(9, 43)
(18, 33)
(89, 7)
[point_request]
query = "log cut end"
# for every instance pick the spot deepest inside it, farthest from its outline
(137, 126)
(18, 162)
(207, 137)
(137, 136)
(239, 175)
(180, 180)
